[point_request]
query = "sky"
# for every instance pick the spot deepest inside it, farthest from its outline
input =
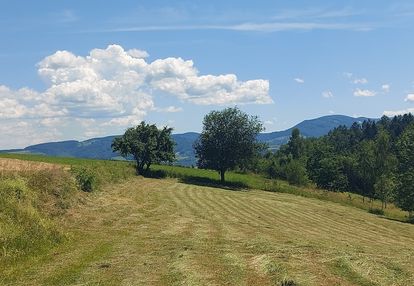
(83, 69)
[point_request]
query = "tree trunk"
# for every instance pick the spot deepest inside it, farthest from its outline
(140, 168)
(222, 176)
(147, 168)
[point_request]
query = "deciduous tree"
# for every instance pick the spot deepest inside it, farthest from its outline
(228, 140)
(405, 189)
(147, 144)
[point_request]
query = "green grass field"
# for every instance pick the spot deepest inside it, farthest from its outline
(146, 231)
(115, 171)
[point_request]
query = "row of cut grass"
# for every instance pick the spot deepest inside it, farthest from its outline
(162, 232)
(254, 181)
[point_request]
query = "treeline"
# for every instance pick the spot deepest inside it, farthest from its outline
(374, 159)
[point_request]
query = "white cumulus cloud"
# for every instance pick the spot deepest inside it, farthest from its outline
(410, 97)
(386, 88)
(355, 80)
(113, 80)
(118, 87)
(364, 92)
(327, 94)
(360, 81)
(140, 54)
(299, 80)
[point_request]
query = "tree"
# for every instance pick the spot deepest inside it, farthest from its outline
(296, 145)
(384, 188)
(405, 193)
(405, 189)
(385, 167)
(228, 140)
(405, 149)
(147, 144)
(367, 171)
(296, 173)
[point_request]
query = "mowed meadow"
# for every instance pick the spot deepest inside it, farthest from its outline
(189, 231)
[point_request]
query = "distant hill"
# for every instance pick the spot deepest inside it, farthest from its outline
(309, 128)
(100, 148)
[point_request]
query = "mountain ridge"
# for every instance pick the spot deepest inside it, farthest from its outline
(100, 147)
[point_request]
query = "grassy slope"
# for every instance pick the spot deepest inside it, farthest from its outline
(149, 231)
(253, 181)
(115, 171)
(163, 232)
(34, 195)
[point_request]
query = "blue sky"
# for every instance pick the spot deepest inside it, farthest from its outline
(80, 69)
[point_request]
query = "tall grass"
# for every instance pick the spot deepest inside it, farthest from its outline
(31, 198)
(87, 171)
(27, 204)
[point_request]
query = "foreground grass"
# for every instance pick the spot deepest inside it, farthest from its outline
(28, 203)
(34, 195)
(164, 232)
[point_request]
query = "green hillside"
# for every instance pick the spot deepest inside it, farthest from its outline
(145, 231)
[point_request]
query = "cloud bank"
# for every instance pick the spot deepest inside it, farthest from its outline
(117, 87)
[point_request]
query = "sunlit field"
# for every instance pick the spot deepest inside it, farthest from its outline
(152, 231)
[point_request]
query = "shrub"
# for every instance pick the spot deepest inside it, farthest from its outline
(376, 211)
(85, 177)
(272, 186)
(296, 173)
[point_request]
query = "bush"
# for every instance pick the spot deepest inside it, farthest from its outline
(376, 211)
(296, 173)
(272, 186)
(85, 177)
